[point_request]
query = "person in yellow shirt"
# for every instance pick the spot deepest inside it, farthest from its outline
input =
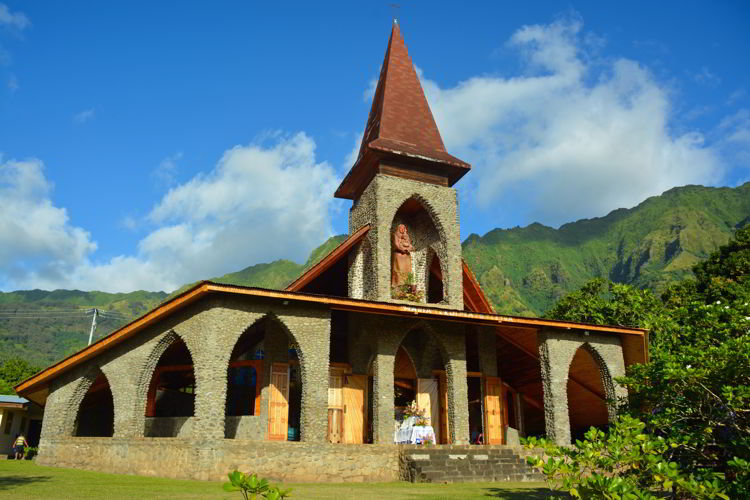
(19, 445)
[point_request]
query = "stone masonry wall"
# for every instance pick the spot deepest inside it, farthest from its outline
(210, 329)
(384, 335)
(370, 272)
(212, 460)
(556, 350)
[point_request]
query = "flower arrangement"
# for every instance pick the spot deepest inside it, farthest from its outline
(419, 413)
(408, 291)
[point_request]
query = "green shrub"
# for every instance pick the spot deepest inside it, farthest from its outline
(251, 487)
(623, 464)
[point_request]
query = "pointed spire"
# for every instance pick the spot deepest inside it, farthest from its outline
(400, 124)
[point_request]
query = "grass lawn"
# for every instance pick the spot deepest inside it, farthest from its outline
(25, 480)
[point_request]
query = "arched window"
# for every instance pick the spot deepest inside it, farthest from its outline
(172, 389)
(96, 415)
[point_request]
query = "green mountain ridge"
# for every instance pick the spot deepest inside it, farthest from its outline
(524, 271)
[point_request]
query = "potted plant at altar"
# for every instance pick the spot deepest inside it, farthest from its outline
(419, 414)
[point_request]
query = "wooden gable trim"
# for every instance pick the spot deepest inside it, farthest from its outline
(339, 303)
(329, 260)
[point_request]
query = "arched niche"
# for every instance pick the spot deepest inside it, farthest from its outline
(587, 393)
(427, 239)
(170, 401)
(96, 413)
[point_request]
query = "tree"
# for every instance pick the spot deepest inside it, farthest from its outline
(14, 371)
(695, 391)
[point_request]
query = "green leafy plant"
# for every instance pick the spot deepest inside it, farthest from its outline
(622, 464)
(252, 487)
(30, 452)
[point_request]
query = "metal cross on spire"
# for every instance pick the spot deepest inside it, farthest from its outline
(394, 7)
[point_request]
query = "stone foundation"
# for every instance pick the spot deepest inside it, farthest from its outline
(187, 459)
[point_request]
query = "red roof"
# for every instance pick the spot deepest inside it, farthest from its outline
(400, 121)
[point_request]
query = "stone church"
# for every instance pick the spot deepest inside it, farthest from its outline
(309, 382)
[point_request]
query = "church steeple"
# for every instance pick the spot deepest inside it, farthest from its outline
(401, 130)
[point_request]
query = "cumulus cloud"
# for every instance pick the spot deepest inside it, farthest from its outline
(570, 137)
(38, 238)
(261, 202)
(16, 20)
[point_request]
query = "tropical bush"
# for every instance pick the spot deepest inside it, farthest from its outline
(252, 487)
(694, 393)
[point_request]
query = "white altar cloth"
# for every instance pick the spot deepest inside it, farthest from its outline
(415, 435)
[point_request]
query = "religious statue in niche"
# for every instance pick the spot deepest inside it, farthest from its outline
(402, 281)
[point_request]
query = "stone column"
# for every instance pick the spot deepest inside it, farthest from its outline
(555, 385)
(383, 418)
(312, 332)
(458, 400)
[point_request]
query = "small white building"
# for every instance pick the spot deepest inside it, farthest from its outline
(18, 415)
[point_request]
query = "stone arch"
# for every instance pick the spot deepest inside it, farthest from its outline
(592, 380)
(81, 388)
(146, 378)
(434, 286)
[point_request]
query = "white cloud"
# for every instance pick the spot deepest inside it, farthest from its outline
(570, 137)
(37, 237)
(14, 19)
(166, 172)
(84, 116)
(261, 202)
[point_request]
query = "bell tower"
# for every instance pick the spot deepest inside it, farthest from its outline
(401, 185)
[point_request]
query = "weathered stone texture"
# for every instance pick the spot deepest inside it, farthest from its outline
(436, 230)
(556, 350)
(384, 335)
(211, 460)
(210, 330)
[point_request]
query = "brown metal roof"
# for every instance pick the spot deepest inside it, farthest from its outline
(400, 123)
(206, 288)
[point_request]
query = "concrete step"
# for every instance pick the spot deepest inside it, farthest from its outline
(466, 463)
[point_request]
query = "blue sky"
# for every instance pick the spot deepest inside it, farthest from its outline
(148, 144)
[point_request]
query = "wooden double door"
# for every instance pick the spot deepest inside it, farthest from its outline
(347, 406)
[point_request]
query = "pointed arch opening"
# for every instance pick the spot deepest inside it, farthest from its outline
(96, 414)
(416, 237)
(170, 404)
(587, 396)
(419, 376)
(244, 385)
(435, 291)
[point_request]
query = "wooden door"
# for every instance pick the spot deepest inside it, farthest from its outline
(355, 411)
(335, 405)
(493, 411)
(278, 402)
(428, 398)
(444, 425)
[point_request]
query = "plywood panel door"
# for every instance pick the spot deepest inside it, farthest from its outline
(428, 398)
(493, 408)
(355, 411)
(335, 405)
(278, 402)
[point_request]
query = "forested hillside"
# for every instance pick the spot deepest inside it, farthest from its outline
(524, 271)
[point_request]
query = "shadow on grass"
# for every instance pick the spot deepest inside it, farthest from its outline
(521, 493)
(10, 482)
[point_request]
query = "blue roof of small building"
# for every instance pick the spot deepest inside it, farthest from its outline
(7, 398)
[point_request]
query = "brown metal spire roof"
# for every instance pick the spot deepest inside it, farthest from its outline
(400, 123)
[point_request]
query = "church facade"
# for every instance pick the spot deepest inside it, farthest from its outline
(308, 383)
